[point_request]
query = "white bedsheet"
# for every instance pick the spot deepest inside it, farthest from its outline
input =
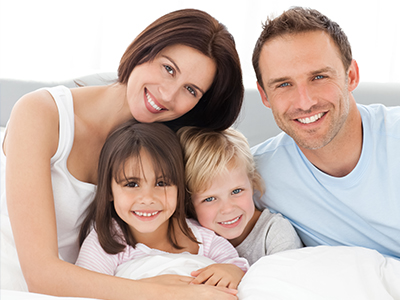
(149, 266)
(328, 273)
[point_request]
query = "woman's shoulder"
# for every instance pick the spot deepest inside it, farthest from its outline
(34, 119)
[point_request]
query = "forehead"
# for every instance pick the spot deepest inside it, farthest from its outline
(301, 52)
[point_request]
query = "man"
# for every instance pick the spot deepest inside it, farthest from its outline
(335, 171)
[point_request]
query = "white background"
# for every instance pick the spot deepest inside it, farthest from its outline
(56, 40)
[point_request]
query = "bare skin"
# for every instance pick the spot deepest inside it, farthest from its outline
(31, 140)
(309, 92)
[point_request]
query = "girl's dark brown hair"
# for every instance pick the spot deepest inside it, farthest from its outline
(125, 143)
(220, 105)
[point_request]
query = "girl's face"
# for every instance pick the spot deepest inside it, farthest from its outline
(227, 206)
(143, 199)
(170, 85)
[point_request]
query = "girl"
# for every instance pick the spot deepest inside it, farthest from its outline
(138, 209)
(221, 177)
(182, 69)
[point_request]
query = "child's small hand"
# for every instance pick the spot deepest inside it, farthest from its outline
(224, 275)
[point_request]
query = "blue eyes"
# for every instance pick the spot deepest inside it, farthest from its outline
(284, 84)
(209, 199)
(236, 191)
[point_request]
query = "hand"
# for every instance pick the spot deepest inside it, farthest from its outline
(222, 275)
(177, 287)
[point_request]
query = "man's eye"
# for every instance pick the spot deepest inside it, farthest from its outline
(236, 191)
(209, 199)
(284, 84)
(319, 77)
(169, 69)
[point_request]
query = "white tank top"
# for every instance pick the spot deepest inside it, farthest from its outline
(71, 196)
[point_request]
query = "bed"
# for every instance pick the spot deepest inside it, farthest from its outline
(321, 272)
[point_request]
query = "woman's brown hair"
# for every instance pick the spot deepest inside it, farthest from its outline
(220, 105)
(126, 142)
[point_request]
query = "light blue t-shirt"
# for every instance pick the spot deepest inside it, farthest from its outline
(359, 209)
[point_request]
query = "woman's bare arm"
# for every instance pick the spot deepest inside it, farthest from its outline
(31, 141)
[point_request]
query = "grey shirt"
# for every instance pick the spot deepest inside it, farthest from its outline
(271, 234)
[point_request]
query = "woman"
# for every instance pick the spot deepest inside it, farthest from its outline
(183, 70)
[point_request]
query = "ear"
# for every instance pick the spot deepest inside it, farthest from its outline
(353, 76)
(263, 95)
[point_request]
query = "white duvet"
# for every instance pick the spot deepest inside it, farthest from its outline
(309, 273)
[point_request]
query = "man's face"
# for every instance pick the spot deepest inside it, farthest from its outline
(306, 86)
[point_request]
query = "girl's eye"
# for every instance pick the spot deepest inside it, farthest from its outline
(162, 183)
(131, 184)
(191, 90)
(169, 69)
(209, 199)
(236, 191)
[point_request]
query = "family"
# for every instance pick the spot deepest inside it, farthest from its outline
(98, 176)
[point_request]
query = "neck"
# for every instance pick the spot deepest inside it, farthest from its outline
(340, 156)
(249, 227)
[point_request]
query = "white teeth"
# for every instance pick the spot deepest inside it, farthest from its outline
(311, 119)
(231, 222)
(151, 102)
(143, 214)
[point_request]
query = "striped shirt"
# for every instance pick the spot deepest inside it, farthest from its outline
(93, 257)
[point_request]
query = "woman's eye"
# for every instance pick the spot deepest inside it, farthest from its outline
(209, 199)
(236, 191)
(191, 90)
(131, 184)
(169, 69)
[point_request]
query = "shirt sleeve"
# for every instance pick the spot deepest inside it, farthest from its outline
(221, 250)
(93, 257)
(281, 236)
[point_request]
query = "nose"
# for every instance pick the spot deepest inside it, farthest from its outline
(227, 206)
(305, 99)
(147, 197)
(168, 91)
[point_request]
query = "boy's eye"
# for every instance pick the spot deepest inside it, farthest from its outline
(209, 199)
(236, 191)
(169, 69)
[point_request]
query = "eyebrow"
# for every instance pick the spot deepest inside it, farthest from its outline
(179, 71)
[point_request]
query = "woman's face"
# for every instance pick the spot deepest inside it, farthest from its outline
(170, 85)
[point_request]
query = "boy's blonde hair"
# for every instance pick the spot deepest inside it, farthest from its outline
(209, 153)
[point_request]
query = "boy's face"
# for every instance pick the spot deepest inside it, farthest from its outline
(227, 206)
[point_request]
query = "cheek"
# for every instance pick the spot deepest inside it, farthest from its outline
(205, 215)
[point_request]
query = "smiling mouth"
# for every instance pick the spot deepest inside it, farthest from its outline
(151, 102)
(231, 221)
(311, 119)
(143, 214)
